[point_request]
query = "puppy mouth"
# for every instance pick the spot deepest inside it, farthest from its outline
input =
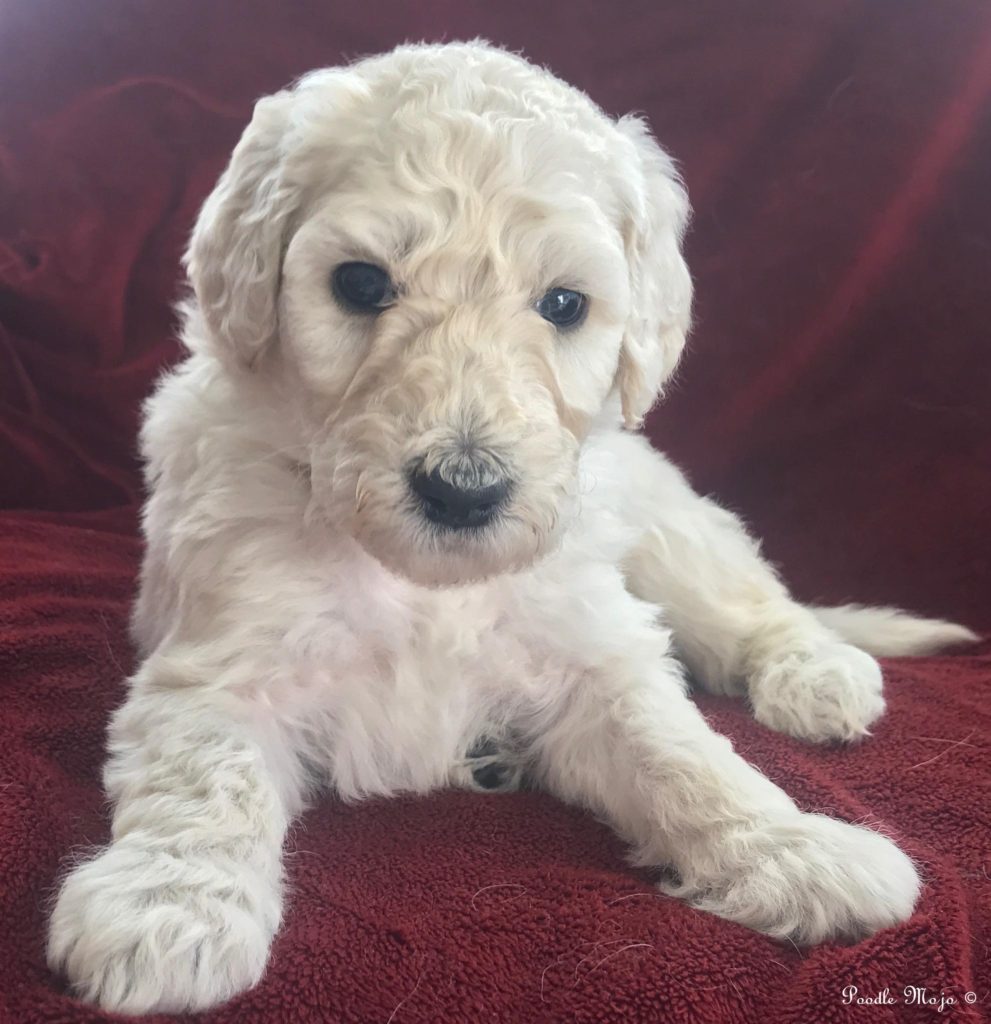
(447, 514)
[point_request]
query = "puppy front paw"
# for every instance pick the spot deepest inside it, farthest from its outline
(831, 693)
(139, 931)
(808, 879)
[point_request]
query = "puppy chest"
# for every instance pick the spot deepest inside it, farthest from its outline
(400, 706)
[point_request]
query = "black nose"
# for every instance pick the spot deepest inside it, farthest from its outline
(454, 506)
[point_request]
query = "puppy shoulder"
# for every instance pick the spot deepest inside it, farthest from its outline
(618, 466)
(187, 404)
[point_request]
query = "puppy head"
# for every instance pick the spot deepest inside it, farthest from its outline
(451, 265)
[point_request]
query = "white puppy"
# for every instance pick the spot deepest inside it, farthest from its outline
(394, 512)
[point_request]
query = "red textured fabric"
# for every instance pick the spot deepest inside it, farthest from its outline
(836, 392)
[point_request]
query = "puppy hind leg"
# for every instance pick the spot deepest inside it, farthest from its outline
(740, 632)
(736, 626)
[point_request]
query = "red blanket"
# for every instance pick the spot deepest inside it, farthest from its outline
(838, 156)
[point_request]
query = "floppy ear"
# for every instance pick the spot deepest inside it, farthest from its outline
(661, 288)
(234, 259)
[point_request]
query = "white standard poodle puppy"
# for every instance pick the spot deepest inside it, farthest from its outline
(402, 534)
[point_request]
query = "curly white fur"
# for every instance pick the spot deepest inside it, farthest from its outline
(302, 624)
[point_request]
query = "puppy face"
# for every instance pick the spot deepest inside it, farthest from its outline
(448, 262)
(448, 413)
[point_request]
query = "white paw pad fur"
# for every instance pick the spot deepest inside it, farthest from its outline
(831, 693)
(139, 932)
(809, 879)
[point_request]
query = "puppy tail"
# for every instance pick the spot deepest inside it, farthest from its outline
(890, 632)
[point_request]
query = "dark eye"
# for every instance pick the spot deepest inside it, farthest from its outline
(363, 287)
(563, 307)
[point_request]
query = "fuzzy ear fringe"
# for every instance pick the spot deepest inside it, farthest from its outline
(660, 314)
(235, 253)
